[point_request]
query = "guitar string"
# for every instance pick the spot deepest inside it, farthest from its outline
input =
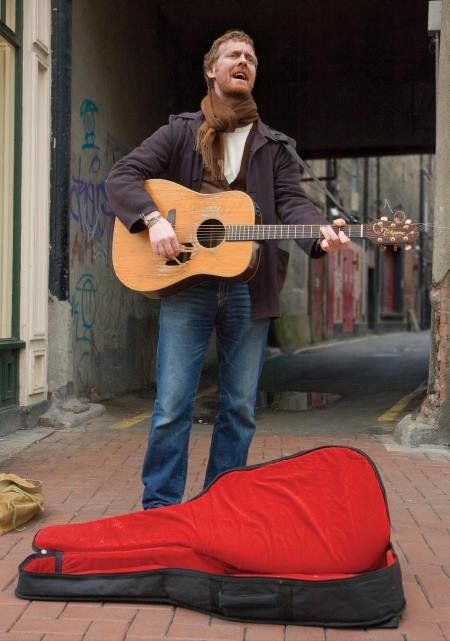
(302, 231)
(244, 226)
(244, 232)
(417, 225)
(279, 228)
(219, 239)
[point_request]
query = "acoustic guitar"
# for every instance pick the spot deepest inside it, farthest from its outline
(218, 233)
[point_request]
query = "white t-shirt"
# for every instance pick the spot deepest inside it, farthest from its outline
(234, 143)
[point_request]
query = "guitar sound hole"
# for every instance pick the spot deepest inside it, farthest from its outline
(183, 257)
(211, 233)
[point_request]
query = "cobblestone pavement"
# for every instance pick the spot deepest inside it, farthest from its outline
(93, 470)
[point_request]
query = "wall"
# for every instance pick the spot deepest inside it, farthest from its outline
(335, 300)
(431, 423)
(295, 328)
(399, 180)
(118, 99)
(392, 183)
(436, 408)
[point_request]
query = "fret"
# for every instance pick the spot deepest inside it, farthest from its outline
(282, 232)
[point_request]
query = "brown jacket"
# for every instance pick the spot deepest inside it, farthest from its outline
(273, 181)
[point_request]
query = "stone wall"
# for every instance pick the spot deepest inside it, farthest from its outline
(118, 99)
(369, 188)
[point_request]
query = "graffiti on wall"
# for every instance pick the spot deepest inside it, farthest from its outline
(94, 297)
(84, 307)
(89, 205)
(88, 110)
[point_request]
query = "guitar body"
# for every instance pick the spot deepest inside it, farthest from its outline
(217, 233)
(199, 222)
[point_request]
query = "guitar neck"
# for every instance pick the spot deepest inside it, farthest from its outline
(279, 232)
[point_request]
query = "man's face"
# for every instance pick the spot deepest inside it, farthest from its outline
(234, 71)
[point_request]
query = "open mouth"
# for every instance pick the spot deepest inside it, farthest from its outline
(240, 75)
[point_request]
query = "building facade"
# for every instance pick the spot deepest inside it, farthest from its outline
(80, 87)
(363, 289)
(25, 177)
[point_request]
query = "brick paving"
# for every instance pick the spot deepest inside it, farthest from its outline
(93, 470)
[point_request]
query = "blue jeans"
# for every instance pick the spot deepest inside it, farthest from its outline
(186, 323)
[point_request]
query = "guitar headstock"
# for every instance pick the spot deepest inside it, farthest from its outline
(397, 231)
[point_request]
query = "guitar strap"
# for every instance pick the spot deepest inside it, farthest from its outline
(280, 137)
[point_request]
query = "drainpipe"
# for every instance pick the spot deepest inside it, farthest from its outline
(377, 301)
(60, 148)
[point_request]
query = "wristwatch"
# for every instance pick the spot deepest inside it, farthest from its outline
(149, 222)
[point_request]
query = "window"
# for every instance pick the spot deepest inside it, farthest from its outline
(10, 95)
(9, 17)
(7, 110)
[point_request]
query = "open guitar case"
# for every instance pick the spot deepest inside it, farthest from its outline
(304, 540)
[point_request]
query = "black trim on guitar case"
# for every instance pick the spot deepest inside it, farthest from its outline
(370, 599)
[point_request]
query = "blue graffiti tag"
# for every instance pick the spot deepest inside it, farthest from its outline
(89, 203)
(84, 307)
(88, 110)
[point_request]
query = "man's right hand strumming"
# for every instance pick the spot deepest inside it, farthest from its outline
(163, 239)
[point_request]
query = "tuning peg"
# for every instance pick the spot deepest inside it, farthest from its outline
(384, 218)
(408, 221)
(407, 248)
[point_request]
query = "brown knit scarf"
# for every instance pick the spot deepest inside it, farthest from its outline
(218, 119)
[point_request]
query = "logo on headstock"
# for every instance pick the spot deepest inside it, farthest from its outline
(399, 230)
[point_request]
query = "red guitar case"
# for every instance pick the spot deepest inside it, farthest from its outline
(303, 539)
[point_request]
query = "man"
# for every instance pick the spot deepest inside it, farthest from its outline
(223, 146)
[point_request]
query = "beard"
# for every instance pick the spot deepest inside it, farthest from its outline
(240, 91)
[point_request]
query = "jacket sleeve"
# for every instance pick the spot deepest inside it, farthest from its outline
(125, 183)
(293, 205)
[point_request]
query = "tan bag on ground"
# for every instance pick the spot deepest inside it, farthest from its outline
(20, 500)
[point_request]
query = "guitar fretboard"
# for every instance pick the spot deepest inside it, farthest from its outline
(279, 232)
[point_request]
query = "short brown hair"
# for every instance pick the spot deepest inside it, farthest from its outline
(212, 55)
